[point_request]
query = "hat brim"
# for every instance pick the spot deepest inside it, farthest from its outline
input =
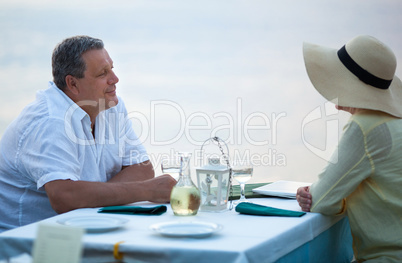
(337, 84)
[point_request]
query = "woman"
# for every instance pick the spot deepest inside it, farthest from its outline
(365, 181)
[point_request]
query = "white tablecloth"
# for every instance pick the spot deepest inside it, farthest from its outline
(244, 238)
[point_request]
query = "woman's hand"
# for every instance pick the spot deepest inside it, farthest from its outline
(303, 197)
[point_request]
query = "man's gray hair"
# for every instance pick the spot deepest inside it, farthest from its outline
(67, 58)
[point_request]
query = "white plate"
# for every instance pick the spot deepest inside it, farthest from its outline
(94, 223)
(186, 229)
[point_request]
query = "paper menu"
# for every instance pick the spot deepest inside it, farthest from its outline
(56, 243)
(281, 188)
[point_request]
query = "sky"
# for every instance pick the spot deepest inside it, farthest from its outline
(191, 70)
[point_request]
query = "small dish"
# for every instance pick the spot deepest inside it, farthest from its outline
(94, 223)
(186, 229)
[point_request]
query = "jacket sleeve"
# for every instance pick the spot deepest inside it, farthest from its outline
(348, 167)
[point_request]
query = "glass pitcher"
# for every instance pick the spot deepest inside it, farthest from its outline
(185, 197)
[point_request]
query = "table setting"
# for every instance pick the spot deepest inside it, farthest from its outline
(229, 236)
(211, 220)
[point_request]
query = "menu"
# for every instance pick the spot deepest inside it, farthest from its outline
(281, 188)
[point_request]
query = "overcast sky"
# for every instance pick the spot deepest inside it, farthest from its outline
(215, 64)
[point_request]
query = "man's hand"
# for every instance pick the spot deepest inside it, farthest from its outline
(304, 199)
(160, 188)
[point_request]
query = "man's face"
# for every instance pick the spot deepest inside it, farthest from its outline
(98, 86)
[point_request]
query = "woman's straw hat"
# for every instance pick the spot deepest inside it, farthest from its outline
(361, 74)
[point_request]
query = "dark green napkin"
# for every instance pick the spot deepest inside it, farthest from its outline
(248, 191)
(134, 210)
(254, 209)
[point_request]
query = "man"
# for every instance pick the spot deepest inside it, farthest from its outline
(74, 146)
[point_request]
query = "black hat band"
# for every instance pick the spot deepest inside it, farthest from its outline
(360, 72)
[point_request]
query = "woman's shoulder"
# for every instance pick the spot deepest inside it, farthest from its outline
(369, 119)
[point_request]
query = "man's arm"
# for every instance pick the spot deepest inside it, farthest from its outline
(136, 172)
(126, 187)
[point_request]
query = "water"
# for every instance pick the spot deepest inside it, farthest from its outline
(185, 200)
(193, 70)
(243, 175)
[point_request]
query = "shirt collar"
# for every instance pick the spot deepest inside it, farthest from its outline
(60, 105)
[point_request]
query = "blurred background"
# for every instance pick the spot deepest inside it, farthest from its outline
(191, 70)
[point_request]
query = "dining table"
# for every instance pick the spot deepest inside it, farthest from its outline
(231, 236)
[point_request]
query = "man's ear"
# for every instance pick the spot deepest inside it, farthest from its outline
(72, 84)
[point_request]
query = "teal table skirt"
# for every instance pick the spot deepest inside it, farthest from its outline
(338, 238)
